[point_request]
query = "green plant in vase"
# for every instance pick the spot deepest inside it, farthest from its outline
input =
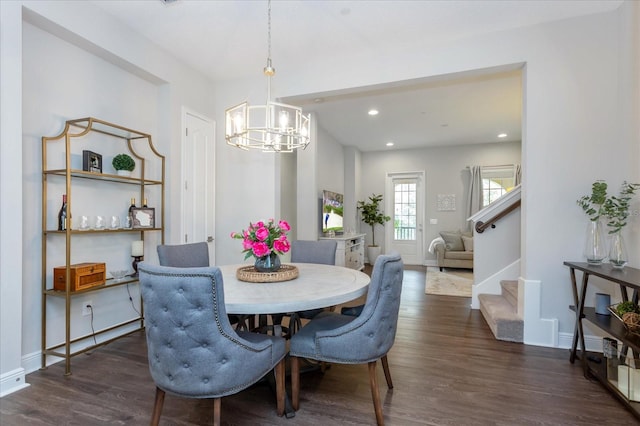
(595, 249)
(616, 210)
(372, 216)
(123, 164)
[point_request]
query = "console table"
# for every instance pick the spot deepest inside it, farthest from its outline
(350, 250)
(593, 363)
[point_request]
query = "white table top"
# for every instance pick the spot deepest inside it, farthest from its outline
(317, 286)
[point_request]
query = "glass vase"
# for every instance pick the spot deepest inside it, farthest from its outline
(595, 248)
(618, 253)
(268, 263)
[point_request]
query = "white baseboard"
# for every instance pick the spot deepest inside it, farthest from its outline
(12, 381)
(593, 343)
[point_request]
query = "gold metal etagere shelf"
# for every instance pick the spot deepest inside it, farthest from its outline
(135, 142)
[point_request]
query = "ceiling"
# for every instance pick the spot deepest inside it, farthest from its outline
(228, 40)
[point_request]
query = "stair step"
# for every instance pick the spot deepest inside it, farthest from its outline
(502, 317)
(510, 291)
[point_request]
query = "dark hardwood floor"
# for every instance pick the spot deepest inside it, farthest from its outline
(447, 369)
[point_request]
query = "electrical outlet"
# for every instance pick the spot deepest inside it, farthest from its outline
(85, 308)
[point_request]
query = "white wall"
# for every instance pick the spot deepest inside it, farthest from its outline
(497, 248)
(352, 191)
(53, 94)
(572, 115)
(331, 168)
(331, 164)
(446, 173)
(12, 372)
(73, 70)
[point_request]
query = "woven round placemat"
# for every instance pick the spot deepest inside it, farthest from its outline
(249, 274)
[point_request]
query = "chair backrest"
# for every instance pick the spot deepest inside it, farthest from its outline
(370, 335)
(184, 255)
(307, 251)
(193, 350)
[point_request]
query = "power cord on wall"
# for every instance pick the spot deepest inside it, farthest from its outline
(93, 331)
(131, 300)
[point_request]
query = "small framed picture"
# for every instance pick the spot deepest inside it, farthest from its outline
(143, 217)
(91, 162)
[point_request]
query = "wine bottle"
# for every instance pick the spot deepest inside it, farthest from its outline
(62, 214)
(130, 216)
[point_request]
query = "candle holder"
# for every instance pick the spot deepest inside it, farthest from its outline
(136, 260)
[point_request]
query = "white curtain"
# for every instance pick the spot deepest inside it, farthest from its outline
(474, 202)
(518, 175)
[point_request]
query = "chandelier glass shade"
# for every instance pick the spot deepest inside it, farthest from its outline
(272, 127)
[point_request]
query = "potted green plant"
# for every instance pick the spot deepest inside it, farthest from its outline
(372, 216)
(123, 164)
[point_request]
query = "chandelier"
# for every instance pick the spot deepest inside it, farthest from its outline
(273, 127)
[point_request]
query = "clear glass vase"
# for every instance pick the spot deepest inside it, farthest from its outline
(268, 263)
(595, 248)
(618, 253)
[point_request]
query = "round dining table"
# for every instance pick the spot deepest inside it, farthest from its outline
(317, 286)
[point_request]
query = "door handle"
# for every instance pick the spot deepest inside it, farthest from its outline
(209, 239)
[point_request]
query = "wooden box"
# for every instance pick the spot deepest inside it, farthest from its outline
(83, 276)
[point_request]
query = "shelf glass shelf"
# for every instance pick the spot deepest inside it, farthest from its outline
(111, 283)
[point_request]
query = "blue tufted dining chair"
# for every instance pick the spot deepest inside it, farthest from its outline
(308, 251)
(345, 339)
(184, 255)
(194, 255)
(193, 351)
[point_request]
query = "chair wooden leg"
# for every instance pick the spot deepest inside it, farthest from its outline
(280, 386)
(157, 407)
(375, 393)
(295, 382)
(387, 373)
(217, 407)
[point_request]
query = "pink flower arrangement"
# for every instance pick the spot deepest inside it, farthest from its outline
(261, 239)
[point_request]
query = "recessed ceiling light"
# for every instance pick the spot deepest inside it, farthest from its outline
(390, 144)
(502, 135)
(373, 112)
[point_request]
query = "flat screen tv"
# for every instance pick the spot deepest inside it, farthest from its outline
(332, 212)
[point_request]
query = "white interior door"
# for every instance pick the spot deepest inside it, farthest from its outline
(405, 202)
(198, 181)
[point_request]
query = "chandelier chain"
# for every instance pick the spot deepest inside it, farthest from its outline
(269, 31)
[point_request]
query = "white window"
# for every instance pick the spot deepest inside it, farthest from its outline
(404, 209)
(496, 181)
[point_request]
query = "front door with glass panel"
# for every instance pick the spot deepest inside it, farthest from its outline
(405, 205)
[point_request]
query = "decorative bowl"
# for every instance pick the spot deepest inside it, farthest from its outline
(118, 274)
